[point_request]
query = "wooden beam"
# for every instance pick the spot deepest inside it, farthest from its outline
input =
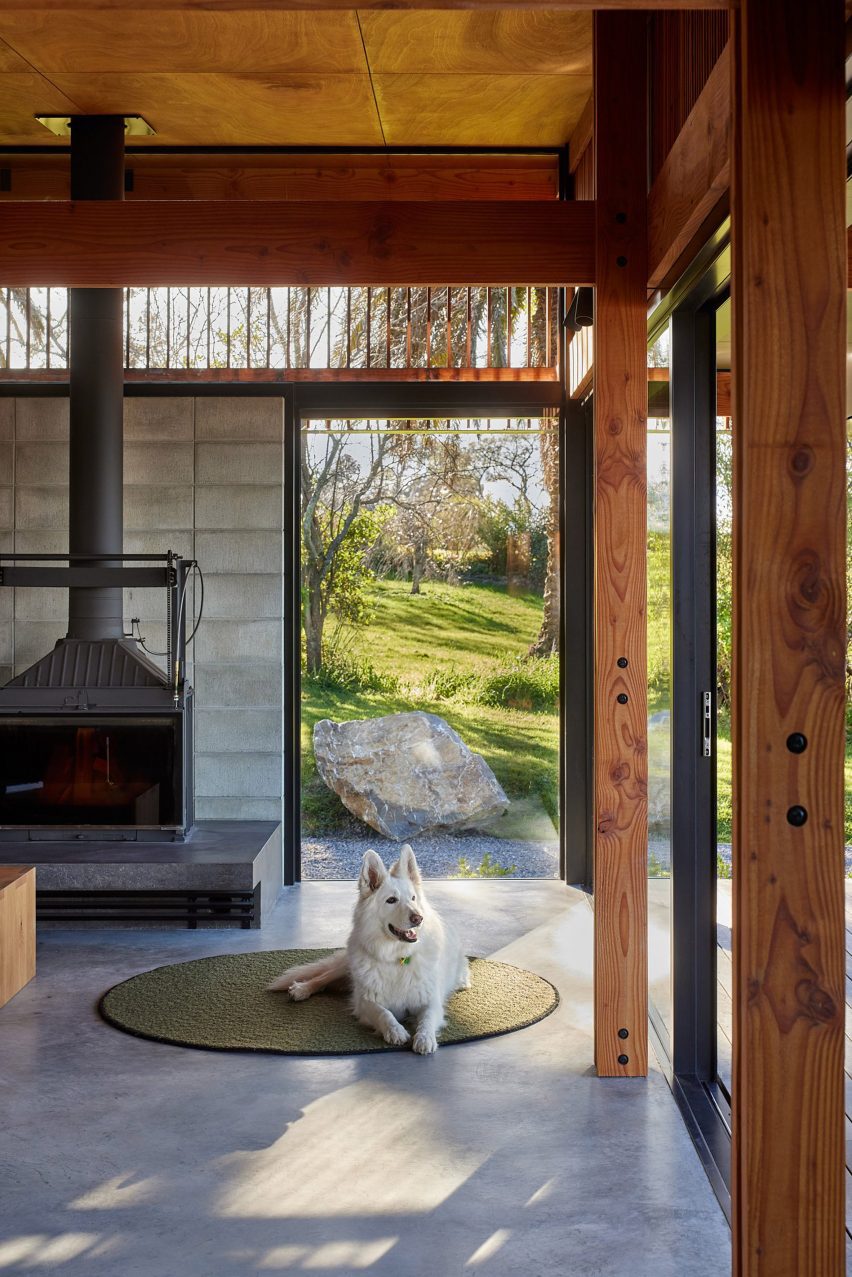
(11, 6)
(621, 396)
(789, 304)
(581, 138)
(693, 181)
(109, 244)
(302, 177)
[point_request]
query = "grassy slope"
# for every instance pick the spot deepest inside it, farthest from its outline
(447, 628)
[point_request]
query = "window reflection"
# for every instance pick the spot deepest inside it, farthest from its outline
(659, 444)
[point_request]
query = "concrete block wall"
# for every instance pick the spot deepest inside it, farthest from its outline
(202, 477)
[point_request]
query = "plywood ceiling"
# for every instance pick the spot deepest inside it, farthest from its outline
(346, 78)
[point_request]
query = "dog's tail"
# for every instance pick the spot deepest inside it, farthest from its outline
(319, 974)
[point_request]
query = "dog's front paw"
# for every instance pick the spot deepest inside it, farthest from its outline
(300, 991)
(395, 1035)
(425, 1042)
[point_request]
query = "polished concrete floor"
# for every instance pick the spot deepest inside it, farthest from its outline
(126, 1158)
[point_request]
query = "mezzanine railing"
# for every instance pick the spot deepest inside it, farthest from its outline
(288, 329)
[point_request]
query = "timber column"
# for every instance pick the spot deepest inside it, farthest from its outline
(789, 434)
(620, 403)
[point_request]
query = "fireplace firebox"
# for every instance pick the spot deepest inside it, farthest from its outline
(126, 772)
(96, 739)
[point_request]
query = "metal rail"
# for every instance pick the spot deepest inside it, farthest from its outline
(290, 329)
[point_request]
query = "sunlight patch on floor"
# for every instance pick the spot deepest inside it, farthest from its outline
(342, 1256)
(489, 1247)
(41, 1251)
(541, 1194)
(361, 1149)
(116, 1193)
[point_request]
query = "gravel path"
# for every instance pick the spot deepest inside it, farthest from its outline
(333, 859)
(330, 859)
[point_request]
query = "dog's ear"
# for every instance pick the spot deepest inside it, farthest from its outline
(407, 866)
(373, 873)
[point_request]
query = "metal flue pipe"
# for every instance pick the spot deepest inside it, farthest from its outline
(96, 384)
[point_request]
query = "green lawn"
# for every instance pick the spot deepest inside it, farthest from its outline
(468, 629)
(463, 628)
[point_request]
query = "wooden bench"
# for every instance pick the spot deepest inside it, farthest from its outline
(17, 929)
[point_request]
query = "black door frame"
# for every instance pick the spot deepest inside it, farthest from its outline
(329, 400)
(689, 1056)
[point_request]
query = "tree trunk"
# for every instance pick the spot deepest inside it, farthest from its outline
(418, 566)
(547, 641)
(313, 619)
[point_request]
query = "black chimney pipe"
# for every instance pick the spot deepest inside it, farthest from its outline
(96, 382)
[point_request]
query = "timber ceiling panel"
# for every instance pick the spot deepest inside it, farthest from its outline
(467, 110)
(297, 110)
(341, 78)
(538, 41)
(186, 42)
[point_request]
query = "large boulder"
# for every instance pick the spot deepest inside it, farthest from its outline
(404, 774)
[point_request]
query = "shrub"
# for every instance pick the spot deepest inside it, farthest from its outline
(349, 673)
(527, 683)
(444, 685)
(487, 868)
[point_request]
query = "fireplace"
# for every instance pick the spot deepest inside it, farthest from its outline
(125, 772)
(96, 739)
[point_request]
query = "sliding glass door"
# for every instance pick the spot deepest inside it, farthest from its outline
(689, 749)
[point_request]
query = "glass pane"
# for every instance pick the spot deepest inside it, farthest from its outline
(722, 753)
(103, 772)
(430, 625)
(659, 680)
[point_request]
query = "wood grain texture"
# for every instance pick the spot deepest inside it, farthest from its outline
(479, 110)
(583, 134)
(234, 109)
(24, 95)
(694, 179)
(303, 177)
(17, 929)
(147, 39)
(537, 42)
(789, 304)
(621, 771)
(11, 6)
(109, 244)
(682, 51)
(11, 61)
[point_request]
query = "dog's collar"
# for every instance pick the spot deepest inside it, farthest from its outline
(403, 962)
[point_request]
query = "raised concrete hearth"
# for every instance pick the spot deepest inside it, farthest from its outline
(227, 873)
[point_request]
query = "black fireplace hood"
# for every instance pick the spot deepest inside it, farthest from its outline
(85, 673)
(94, 664)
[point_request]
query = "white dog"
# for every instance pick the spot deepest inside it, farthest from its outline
(400, 958)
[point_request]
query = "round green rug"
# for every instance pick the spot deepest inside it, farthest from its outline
(223, 1004)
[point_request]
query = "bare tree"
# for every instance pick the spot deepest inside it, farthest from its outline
(547, 640)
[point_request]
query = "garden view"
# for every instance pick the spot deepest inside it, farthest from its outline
(430, 588)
